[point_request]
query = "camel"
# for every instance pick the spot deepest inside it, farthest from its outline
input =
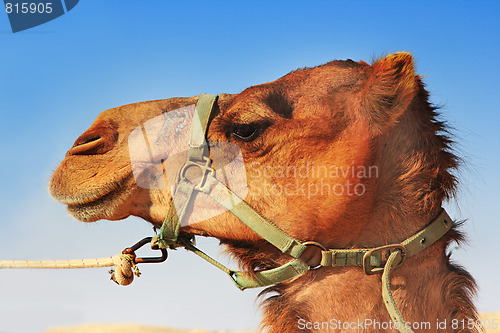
(346, 154)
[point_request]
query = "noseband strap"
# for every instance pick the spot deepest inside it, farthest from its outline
(377, 260)
(198, 155)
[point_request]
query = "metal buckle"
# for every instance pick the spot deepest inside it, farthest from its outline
(387, 250)
(206, 169)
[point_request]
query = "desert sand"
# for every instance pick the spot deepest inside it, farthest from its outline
(128, 328)
(490, 320)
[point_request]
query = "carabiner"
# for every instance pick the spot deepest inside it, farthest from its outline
(130, 251)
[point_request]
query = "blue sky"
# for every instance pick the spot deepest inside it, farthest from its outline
(56, 78)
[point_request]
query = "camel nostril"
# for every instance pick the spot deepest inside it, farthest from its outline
(87, 147)
(94, 141)
(86, 140)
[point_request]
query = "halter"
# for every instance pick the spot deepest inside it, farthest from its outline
(373, 260)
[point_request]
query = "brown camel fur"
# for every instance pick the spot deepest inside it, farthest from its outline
(376, 166)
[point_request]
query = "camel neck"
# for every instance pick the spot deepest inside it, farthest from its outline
(342, 296)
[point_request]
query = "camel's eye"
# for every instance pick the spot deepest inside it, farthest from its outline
(247, 132)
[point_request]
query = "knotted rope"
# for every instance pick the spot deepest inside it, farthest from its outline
(123, 272)
(125, 269)
(124, 263)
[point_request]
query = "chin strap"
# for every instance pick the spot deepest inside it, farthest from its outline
(381, 259)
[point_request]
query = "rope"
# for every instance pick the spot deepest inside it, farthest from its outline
(389, 302)
(123, 272)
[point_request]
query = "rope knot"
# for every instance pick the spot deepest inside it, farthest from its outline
(124, 270)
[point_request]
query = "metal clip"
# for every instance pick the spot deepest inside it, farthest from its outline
(131, 252)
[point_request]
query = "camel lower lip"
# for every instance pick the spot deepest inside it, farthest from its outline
(95, 202)
(92, 197)
(99, 208)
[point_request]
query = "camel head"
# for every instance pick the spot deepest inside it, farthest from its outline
(325, 151)
(347, 155)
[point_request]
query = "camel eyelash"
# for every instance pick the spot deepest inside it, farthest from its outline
(247, 132)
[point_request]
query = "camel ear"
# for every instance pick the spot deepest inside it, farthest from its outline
(389, 90)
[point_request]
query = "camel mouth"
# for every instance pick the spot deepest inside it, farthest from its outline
(104, 206)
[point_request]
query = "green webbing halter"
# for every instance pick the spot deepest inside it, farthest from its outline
(373, 261)
(198, 156)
